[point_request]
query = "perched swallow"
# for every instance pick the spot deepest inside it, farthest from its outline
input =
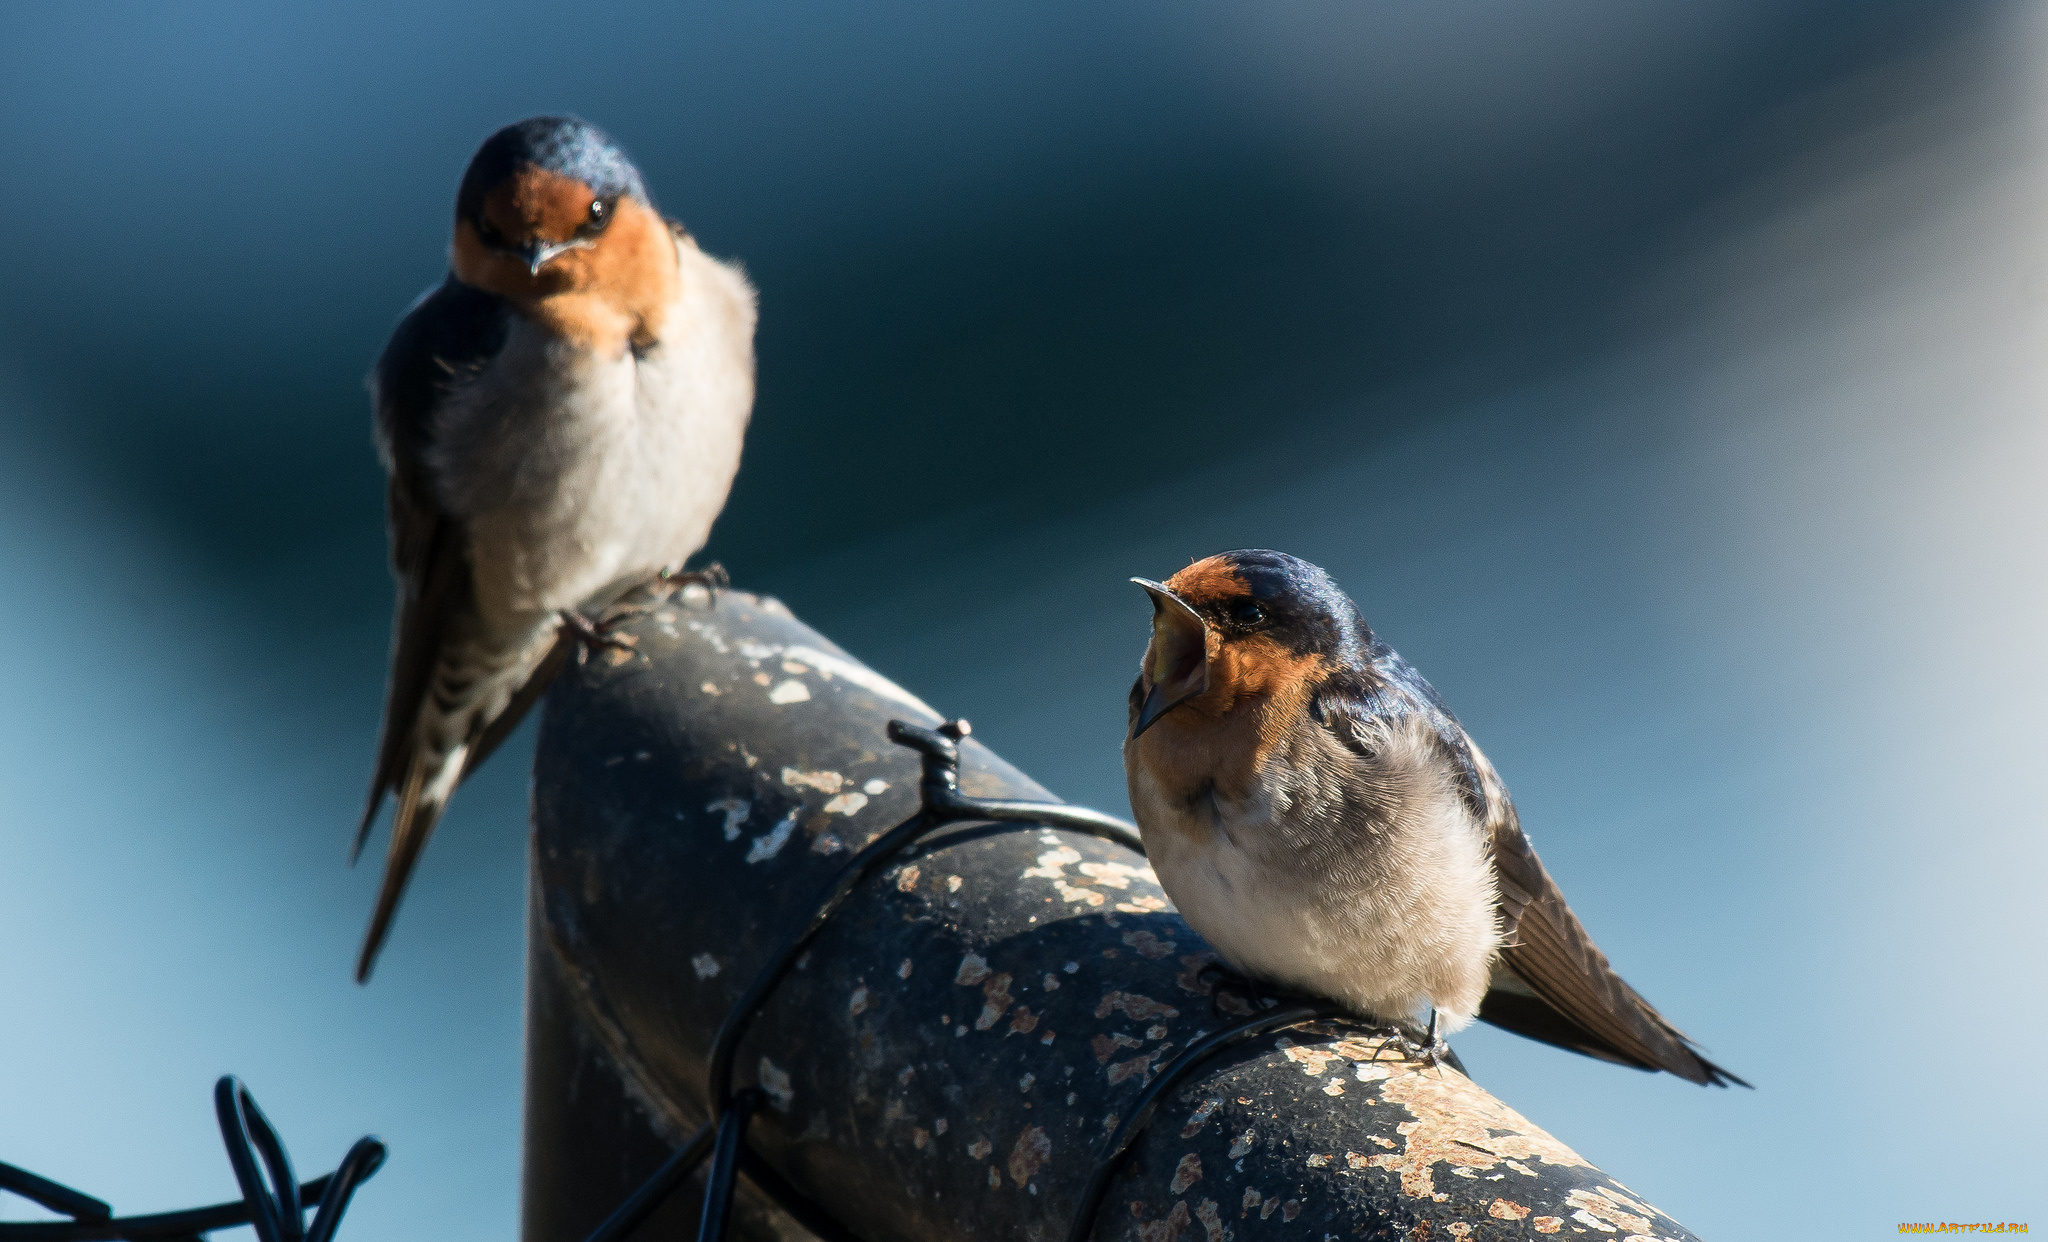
(1321, 818)
(561, 419)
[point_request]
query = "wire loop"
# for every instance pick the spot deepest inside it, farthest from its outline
(940, 804)
(272, 1200)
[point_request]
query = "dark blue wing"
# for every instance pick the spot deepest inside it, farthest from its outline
(1389, 688)
(448, 336)
(1559, 987)
(452, 332)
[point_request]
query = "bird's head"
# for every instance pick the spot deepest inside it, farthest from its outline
(1241, 625)
(552, 205)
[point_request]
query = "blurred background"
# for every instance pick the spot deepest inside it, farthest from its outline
(1664, 381)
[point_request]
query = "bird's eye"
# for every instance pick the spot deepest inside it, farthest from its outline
(1247, 613)
(600, 215)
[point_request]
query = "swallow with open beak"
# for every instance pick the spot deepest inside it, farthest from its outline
(1321, 819)
(561, 420)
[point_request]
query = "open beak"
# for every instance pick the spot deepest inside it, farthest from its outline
(536, 253)
(1177, 660)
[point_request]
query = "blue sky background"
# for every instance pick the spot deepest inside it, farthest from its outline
(1666, 386)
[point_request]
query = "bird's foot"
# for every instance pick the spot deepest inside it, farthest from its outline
(591, 636)
(1406, 1047)
(661, 587)
(711, 577)
(1235, 995)
(1430, 1050)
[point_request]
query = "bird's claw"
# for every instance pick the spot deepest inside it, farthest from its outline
(589, 635)
(1430, 1051)
(661, 588)
(712, 578)
(1427, 1052)
(1235, 995)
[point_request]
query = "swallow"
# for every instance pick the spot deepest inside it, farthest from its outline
(1324, 822)
(561, 419)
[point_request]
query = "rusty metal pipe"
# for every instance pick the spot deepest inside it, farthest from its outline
(958, 1044)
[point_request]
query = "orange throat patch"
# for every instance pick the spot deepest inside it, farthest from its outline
(609, 294)
(1224, 737)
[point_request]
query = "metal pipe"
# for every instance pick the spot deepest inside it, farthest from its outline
(957, 1049)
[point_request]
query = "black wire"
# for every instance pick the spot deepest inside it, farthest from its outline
(1051, 814)
(799, 1206)
(634, 1212)
(725, 1046)
(53, 1195)
(939, 785)
(273, 1204)
(248, 1136)
(725, 1165)
(362, 1160)
(1171, 1076)
(655, 1190)
(161, 1225)
(941, 804)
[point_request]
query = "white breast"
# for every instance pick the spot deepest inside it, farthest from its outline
(1377, 892)
(576, 475)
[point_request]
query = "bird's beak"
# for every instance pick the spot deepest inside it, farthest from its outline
(1177, 660)
(536, 253)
